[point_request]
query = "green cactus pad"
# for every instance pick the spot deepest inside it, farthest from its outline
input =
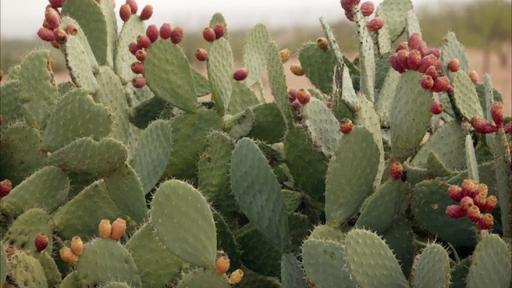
(277, 82)
(490, 265)
(452, 48)
(21, 153)
(471, 161)
(269, 125)
(322, 126)
(254, 53)
(348, 185)
(80, 58)
(203, 279)
(459, 273)
(291, 199)
(400, 238)
(152, 153)
(386, 95)
(156, 265)
(76, 116)
(318, 65)
(292, 275)
(213, 172)
(367, 255)
(189, 132)
(258, 193)
(45, 189)
(432, 268)
(112, 95)
(81, 215)
(125, 189)
(116, 285)
(169, 75)
(325, 264)
(24, 229)
(410, 116)
(242, 97)
(447, 143)
(325, 232)
(220, 73)
(218, 18)
(70, 281)
(88, 156)
(254, 280)
(148, 111)
(381, 208)
(123, 58)
(93, 21)
(436, 168)
(36, 74)
(307, 165)
(3, 266)
(10, 109)
(257, 253)
(413, 24)
(239, 125)
(26, 270)
(394, 13)
(429, 202)
(184, 223)
(106, 260)
(366, 58)
(51, 271)
(465, 96)
(201, 84)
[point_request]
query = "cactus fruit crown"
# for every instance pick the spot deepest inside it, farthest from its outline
(144, 172)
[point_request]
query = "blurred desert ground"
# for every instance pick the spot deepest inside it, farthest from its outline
(484, 26)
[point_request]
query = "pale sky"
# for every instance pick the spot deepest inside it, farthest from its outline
(22, 18)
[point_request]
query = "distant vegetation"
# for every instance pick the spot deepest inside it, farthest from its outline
(482, 24)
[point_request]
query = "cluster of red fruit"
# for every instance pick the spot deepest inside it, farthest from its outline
(367, 9)
(298, 98)
(5, 188)
(51, 31)
(222, 267)
(483, 126)
(130, 8)
(474, 203)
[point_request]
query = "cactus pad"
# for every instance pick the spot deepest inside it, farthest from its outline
(465, 96)
(123, 58)
(394, 13)
(452, 48)
(202, 279)
(322, 126)
(277, 82)
(25, 228)
(318, 64)
(268, 125)
(291, 272)
(432, 268)
(257, 253)
(27, 271)
(220, 73)
(242, 97)
(254, 53)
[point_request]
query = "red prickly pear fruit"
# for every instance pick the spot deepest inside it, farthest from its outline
(497, 113)
(423, 48)
(46, 34)
(455, 211)
(303, 96)
(427, 82)
(395, 63)
(483, 190)
(201, 54)
(219, 30)
(322, 43)
(414, 60)
(141, 55)
(133, 6)
(442, 84)
(125, 12)
(77, 245)
(152, 33)
(139, 82)
(433, 51)
(466, 202)
(56, 3)
(436, 108)
(137, 68)
(350, 15)
(486, 222)
(346, 126)
(292, 95)
(432, 72)
(480, 201)
(328, 104)
(375, 24)
(367, 8)
(104, 229)
(490, 204)
(177, 35)
(402, 46)
(118, 226)
(5, 187)
(474, 76)
(52, 18)
(297, 70)
(396, 170)
(55, 44)
(473, 213)
(482, 126)
(455, 192)
(454, 65)
(222, 265)
(67, 255)
(240, 74)
(414, 41)
(236, 277)
(508, 129)
(143, 41)
(146, 13)
(41, 242)
(71, 29)
(60, 35)
(296, 106)
(349, 4)
(402, 58)
(284, 54)
(209, 34)
(426, 62)
(133, 47)
(469, 188)
(165, 31)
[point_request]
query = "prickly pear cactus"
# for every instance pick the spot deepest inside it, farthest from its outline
(143, 172)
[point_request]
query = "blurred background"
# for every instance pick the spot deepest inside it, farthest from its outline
(484, 26)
